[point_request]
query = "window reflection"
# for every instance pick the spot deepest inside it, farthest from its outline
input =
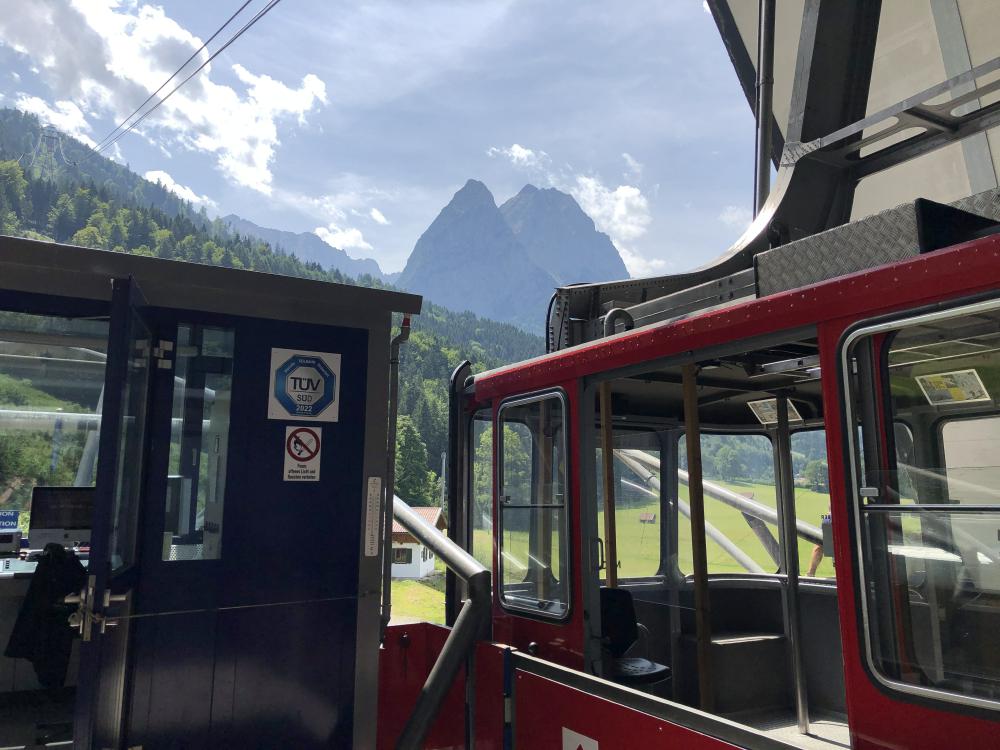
(199, 444)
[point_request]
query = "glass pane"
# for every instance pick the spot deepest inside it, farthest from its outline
(533, 539)
(531, 565)
(199, 444)
(740, 505)
(51, 386)
(481, 487)
(943, 379)
(935, 597)
(933, 572)
(812, 501)
(638, 514)
(129, 473)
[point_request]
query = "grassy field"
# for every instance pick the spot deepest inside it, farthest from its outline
(638, 543)
(419, 599)
(638, 546)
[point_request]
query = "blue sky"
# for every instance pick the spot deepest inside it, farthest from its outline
(360, 120)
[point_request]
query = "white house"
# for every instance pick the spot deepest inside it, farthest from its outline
(410, 558)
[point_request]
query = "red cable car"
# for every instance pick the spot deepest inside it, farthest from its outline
(756, 505)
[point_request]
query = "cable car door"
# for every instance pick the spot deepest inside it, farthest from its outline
(105, 601)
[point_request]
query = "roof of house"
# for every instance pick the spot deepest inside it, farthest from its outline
(433, 516)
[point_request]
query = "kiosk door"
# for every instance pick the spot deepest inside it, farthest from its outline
(105, 601)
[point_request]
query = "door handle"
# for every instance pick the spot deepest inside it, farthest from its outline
(110, 598)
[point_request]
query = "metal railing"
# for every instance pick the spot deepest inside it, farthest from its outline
(469, 625)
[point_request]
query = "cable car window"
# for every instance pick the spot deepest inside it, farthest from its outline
(51, 392)
(534, 541)
(740, 505)
(199, 444)
(812, 502)
(481, 488)
(638, 511)
(929, 504)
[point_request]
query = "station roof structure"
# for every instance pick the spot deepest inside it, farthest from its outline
(61, 270)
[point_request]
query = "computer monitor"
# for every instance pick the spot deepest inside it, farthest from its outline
(62, 515)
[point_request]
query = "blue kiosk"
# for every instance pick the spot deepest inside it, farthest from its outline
(213, 458)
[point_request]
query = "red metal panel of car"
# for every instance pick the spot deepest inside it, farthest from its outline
(549, 715)
(405, 661)
(489, 719)
(557, 641)
(963, 269)
(877, 719)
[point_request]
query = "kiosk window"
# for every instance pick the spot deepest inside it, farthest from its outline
(534, 574)
(199, 443)
(929, 504)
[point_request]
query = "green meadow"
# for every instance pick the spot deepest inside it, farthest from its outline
(638, 546)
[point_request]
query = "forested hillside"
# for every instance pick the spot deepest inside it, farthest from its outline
(55, 191)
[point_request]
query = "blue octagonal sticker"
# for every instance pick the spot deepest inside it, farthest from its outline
(304, 385)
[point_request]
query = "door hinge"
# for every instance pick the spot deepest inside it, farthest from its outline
(163, 354)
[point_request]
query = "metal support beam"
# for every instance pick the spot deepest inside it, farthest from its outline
(469, 626)
(765, 103)
(699, 553)
(608, 474)
(785, 486)
(388, 492)
(455, 483)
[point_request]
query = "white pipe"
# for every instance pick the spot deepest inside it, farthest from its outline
(727, 544)
(742, 504)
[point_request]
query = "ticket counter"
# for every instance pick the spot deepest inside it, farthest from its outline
(231, 427)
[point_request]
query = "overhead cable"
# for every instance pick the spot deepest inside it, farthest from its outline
(176, 73)
(257, 16)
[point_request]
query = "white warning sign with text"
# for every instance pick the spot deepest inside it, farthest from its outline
(575, 741)
(303, 448)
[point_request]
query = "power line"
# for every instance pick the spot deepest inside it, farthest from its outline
(260, 14)
(176, 73)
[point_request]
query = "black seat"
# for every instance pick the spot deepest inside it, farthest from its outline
(620, 631)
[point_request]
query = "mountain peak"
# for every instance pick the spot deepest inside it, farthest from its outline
(561, 238)
(476, 190)
(469, 259)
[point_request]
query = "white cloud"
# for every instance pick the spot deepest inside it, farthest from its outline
(108, 56)
(736, 216)
(64, 115)
(378, 217)
(704, 7)
(634, 166)
(520, 156)
(623, 213)
(181, 191)
(641, 267)
(342, 238)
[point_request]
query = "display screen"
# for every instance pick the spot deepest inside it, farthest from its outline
(62, 507)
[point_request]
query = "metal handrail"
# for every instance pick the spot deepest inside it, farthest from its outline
(469, 625)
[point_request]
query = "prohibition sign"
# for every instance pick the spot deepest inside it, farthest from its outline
(302, 444)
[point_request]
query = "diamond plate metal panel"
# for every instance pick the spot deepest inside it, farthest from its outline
(886, 237)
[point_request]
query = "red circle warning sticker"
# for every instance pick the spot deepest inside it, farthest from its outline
(302, 453)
